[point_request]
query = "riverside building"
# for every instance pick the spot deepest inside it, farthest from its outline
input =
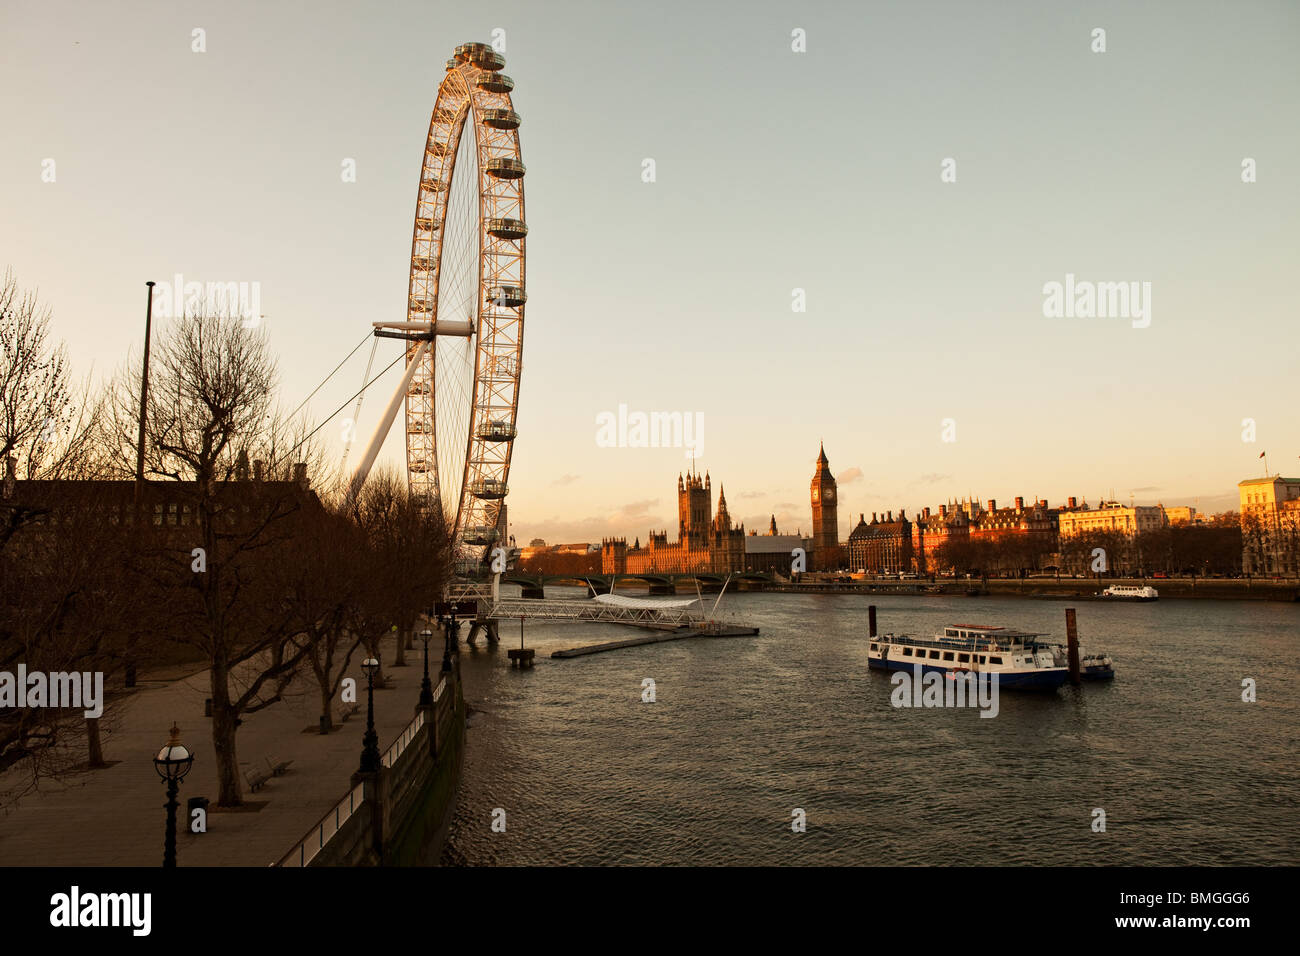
(1270, 525)
(1128, 520)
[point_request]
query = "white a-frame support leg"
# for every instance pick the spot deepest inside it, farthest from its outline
(386, 422)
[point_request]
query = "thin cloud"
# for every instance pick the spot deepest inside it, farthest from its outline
(634, 509)
(630, 520)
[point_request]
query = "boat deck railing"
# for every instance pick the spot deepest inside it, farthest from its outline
(957, 643)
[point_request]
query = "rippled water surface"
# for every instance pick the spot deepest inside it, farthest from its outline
(744, 730)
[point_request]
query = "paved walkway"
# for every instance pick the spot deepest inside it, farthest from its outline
(116, 816)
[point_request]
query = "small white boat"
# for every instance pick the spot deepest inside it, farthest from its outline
(1128, 592)
(1097, 666)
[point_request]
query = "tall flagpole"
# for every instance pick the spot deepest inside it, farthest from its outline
(144, 397)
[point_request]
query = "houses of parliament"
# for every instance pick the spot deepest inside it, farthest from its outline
(709, 541)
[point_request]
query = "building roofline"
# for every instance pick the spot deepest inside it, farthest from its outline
(1268, 481)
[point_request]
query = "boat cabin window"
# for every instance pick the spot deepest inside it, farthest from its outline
(950, 632)
(947, 655)
(981, 658)
(875, 646)
(964, 658)
(934, 655)
(907, 652)
(994, 660)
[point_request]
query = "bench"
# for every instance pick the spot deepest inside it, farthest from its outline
(256, 778)
(278, 768)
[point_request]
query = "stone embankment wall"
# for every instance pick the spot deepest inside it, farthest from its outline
(407, 806)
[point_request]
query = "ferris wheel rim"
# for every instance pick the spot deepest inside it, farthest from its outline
(472, 93)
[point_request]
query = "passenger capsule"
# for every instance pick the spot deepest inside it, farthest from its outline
(481, 534)
(507, 228)
(493, 61)
(507, 295)
(421, 305)
(472, 51)
(488, 488)
(494, 82)
(501, 119)
(496, 431)
(505, 167)
(425, 223)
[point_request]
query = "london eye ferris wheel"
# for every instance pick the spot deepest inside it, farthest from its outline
(467, 280)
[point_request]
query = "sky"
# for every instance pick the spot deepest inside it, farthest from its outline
(922, 356)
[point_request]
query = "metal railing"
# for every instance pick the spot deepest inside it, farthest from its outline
(399, 745)
(562, 610)
(306, 849)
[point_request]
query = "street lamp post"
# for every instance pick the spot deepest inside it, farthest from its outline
(451, 637)
(172, 763)
(370, 742)
(426, 688)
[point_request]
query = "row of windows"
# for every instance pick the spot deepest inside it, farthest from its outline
(172, 514)
(948, 655)
(1262, 499)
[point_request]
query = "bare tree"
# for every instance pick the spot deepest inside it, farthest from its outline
(410, 547)
(33, 374)
(209, 405)
(321, 588)
(57, 550)
(47, 423)
(66, 591)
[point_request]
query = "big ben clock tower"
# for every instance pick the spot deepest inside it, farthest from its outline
(826, 534)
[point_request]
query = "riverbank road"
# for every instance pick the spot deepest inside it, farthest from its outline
(116, 817)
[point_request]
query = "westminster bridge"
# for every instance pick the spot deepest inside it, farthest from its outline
(534, 585)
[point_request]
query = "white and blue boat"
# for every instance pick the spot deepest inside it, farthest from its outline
(1018, 658)
(1126, 592)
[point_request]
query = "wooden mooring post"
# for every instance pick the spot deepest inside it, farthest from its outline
(1072, 644)
(871, 620)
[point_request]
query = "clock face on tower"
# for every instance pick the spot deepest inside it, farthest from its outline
(816, 494)
(830, 494)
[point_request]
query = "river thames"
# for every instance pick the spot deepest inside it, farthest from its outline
(745, 730)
